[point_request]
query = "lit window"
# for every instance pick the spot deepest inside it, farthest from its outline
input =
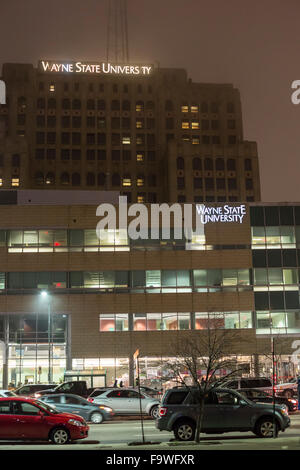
(194, 108)
(185, 125)
(139, 106)
(126, 140)
(140, 181)
(185, 138)
(126, 182)
(139, 124)
(15, 182)
(52, 87)
(195, 125)
(1, 181)
(184, 108)
(140, 198)
(140, 157)
(195, 140)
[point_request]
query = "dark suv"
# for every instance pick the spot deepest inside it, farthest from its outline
(31, 389)
(225, 410)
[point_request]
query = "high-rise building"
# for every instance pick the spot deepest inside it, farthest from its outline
(154, 136)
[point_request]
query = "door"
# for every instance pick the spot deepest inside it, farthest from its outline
(133, 403)
(28, 422)
(118, 400)
(234, 412)
(74, 405)
(7, 426)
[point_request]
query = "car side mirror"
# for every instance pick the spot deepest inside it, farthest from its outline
(243, 403)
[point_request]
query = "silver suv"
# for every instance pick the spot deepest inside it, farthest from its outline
(125, 401)
(225, 410)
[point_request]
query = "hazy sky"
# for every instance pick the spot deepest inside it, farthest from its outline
(252, 44)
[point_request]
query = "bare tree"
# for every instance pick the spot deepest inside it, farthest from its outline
(208, 351)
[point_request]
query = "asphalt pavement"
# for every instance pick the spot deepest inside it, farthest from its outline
(122, 434)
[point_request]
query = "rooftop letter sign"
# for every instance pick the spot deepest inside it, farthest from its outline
(224, 213)
(97, 68)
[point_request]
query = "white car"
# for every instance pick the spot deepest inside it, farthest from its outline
(7, 393)
(126, 401)
(288, 389)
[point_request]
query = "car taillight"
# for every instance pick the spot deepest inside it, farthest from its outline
(162, 411)
(91, 400)
(292, 401)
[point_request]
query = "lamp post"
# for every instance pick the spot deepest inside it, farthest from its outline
(45, 295)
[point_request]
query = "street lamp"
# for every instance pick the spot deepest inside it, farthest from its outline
(44, 295)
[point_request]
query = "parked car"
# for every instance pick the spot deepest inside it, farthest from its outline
(151, 392)
(77, 387)
(262, 383)
(288, 389)
(259, 396)
(7, 393)
(225, 410)
(31, 389)
(126, 401)
(27, 418)
(69, 403)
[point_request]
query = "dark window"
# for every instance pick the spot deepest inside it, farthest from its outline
(197, 183)
(115, 180)
(231, 139)
(115, 105)
(101, 105)
(220, 183)
(204, 107)
(126, 105)
(90, 104)
(76, 121)
(291, 300)
(276, 300)
(65, 178)
(65, 154)
(248, 164)
(65, 121)
(90, 179)
(75, 179)
(66, 104)
(209, 184)
(180, 163)
(40, 138)
(101, 154)
(101, 139)
(208, 164)
(197, 164)
(180, 182)
(76, 154)
(259, 258)
(274, 258)
(176, 398)
(15, 160)
(286, 215)
(257, 216)
(76, 138)
(76, 104)
(214, 107)
(40, 121)
(289, 258)
(90, 154)
(272, 215)
(220, 164)
(230, 107)
(249, 183)
(101, 179)
(115, 155)
(151, 156)
(231, 164)
(261, 300)
(65, 138)
(232, 184)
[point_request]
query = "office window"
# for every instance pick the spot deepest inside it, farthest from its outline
(185, 125)
(139, 107)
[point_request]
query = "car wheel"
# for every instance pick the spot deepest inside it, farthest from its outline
(96, 418)
(288, 393)
(59, 436)
(154, 412)
(264, 428)
(185, 431)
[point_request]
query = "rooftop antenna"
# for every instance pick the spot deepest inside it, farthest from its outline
(117, 32)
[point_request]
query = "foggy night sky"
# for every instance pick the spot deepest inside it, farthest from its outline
(252, 44)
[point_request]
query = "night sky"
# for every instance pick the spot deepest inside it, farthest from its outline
(252, 44)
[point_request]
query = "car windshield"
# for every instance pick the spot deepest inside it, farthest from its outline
(45, 407)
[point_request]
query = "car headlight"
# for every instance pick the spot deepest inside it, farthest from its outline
(75, 422)
(105, 408)
(284, 411)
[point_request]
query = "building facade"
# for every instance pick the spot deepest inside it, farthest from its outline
(128, 133)
(108, 298)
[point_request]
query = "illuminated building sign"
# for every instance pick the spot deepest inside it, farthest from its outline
(94, 68)
(221, 213)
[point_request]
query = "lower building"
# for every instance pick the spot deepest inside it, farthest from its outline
(108, 297)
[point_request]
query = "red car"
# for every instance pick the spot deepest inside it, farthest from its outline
(28, 418)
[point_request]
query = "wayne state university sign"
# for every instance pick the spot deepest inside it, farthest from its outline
(94, 68)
